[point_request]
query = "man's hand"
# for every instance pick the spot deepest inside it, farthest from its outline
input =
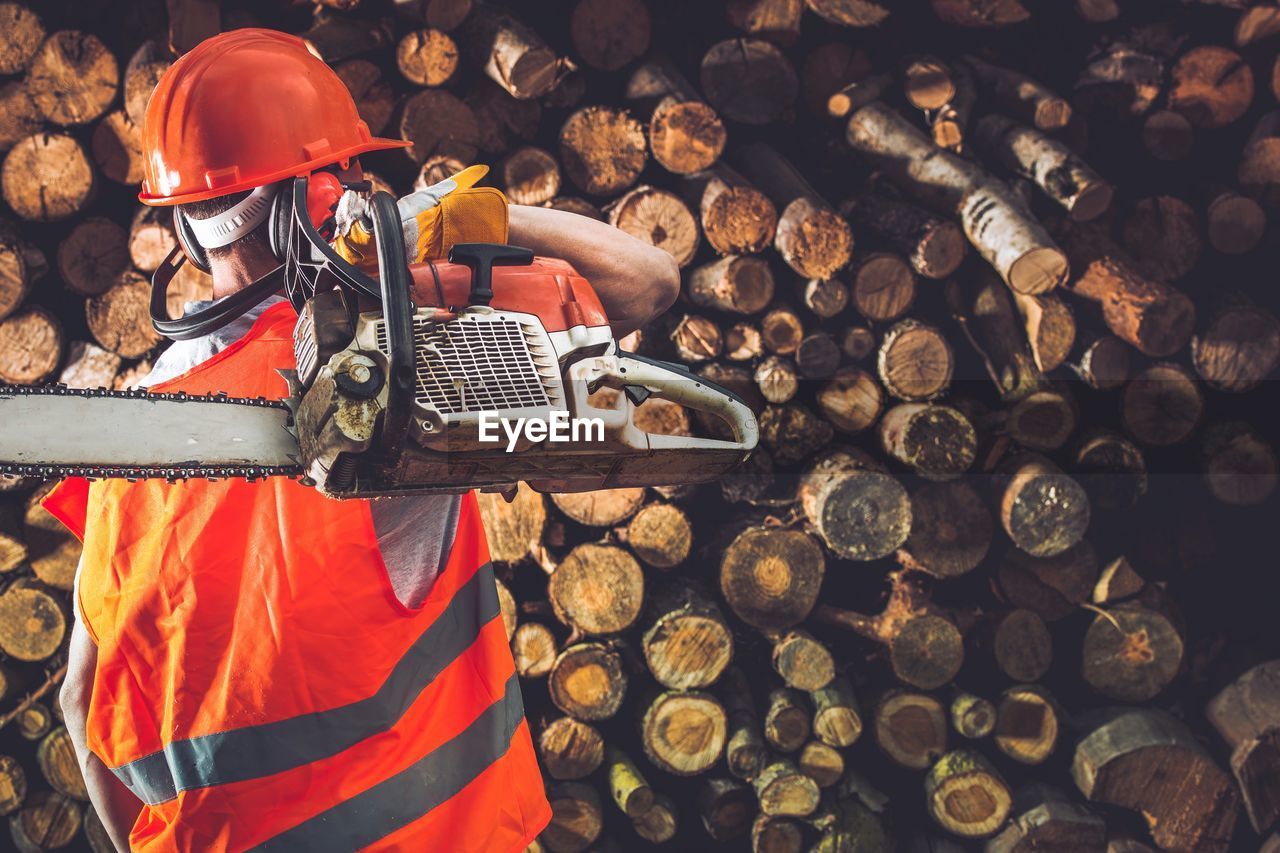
(636, 282)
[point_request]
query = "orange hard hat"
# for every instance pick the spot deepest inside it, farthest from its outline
(242, 109)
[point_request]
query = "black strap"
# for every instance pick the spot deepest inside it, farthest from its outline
(222, 312)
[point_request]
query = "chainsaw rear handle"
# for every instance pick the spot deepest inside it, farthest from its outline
(677, 384)
(640, 378)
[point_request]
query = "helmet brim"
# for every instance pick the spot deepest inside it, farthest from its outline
(375, 144)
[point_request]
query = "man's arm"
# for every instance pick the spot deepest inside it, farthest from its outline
(636, 282)
(116, 805)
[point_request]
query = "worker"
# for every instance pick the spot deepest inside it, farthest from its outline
(256, 666)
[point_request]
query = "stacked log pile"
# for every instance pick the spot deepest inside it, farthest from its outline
(996, 275)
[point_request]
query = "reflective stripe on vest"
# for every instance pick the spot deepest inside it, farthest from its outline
(413, 792)
(258, 684)
(256, 751)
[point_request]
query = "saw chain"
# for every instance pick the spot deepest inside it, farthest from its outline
(186, 471)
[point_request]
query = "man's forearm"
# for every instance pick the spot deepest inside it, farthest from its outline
(635, 281)
(115, 804)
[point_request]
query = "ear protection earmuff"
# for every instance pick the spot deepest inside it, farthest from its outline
(270, 202)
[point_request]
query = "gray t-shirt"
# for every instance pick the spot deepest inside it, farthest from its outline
(414, 533)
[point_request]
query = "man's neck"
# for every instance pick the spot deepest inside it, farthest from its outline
(238, 271)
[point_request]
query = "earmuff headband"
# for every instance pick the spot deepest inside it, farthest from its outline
(234, 223)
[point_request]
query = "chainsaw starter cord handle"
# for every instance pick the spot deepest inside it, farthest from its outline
(481, 258)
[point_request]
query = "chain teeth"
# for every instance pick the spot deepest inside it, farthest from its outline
(134, 473)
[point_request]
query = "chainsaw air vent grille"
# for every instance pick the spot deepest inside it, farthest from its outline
(304, 352)
(481, 363)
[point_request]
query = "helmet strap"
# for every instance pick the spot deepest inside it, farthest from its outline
(229, 226)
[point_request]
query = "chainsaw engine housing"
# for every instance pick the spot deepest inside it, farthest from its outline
(533, 346)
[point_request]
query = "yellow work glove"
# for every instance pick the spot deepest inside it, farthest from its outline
(451, 211)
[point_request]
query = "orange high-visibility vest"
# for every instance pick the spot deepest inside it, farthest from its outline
(259, 685)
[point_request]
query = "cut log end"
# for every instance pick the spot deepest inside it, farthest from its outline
(597, 589)
(570, 749)
(966, 795)
(1131, 654)
(1044, 511)
(684, 733)
(587, 682)
(31, 344)
(686, 137)
(1038, 271)
(1027, 725)
(911, 728)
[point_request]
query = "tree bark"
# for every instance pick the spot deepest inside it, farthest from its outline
(1028, 99)
(994, 219)
(837, 719)
(745, 752)
(1054, 168)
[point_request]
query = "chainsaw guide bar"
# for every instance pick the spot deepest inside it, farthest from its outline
(234, 437)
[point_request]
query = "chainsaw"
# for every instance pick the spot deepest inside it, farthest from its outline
(409, 383)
